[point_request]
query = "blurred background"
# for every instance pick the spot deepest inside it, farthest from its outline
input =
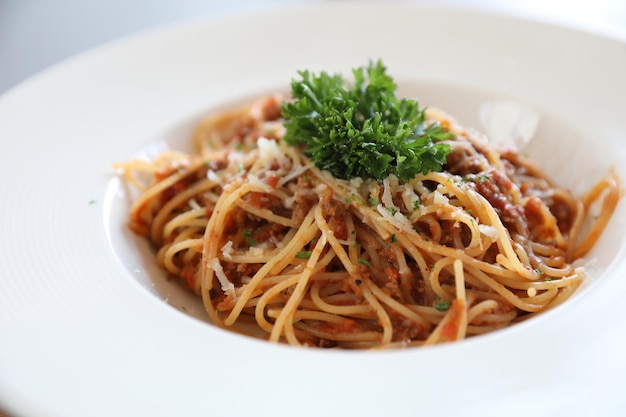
(35, 34)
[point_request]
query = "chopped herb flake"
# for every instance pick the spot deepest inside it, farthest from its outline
(248, 236)
(442, 305)
(364, 262)
(304, 254)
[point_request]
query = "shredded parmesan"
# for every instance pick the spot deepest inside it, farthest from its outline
(396, 219)
(257, 182)
(410, 198)
(439, 198)
(255, 251)
(356, 182)
(488, 231)
(270, 152)
(228, 250)
(212, 176)
(293, 174)
(386, 197)
(227, 286)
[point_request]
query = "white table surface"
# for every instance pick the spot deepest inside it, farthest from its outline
(35, 34)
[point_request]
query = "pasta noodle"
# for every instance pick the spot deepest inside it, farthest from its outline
(263, 236)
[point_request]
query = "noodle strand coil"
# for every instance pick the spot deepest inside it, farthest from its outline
(263, 236)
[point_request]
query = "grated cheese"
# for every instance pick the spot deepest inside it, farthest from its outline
(212, 176)
(228, 250)
(255, 251)
(488, 231)
(227, 286)
(257, 182)
(439, 198)
(270, 152)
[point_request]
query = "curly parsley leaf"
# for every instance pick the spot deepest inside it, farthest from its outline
(363, 131)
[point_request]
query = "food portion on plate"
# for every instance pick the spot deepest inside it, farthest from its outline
(344, 216)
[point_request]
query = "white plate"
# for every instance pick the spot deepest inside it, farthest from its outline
(85, 327)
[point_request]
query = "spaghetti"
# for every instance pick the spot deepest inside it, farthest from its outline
(264, 237)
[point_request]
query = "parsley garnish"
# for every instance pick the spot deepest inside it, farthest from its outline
(364, 262)
(374, 201)
(363, 131)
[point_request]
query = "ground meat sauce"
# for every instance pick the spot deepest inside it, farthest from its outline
(496, 188)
